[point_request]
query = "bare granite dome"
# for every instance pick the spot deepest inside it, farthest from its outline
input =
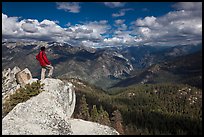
(49, 113)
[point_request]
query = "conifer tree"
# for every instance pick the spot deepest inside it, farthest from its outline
(94, 114)
(117, 121)
(83, 109)
(104, 117)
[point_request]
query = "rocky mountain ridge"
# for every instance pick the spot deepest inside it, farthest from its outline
(102, 67)
(184, 70)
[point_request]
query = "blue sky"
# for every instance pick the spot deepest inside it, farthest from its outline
(89, 11)
(104, 23)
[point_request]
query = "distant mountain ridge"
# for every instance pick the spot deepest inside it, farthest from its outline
(103, 67)
(183, 69)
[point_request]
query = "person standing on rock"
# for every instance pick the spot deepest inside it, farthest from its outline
(45, 63)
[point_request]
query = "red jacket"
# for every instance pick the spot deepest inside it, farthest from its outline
(42, 58)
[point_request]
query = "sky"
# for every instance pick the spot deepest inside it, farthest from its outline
(102, 24)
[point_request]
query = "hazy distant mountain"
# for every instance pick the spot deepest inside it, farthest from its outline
(183, 69)
(103, 67)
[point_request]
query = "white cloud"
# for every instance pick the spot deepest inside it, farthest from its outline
(68, 24)
(85, 33)
(89, 43)
(91, 30)
(114, 4)
(147, 21)
(119, 21)
(48, 22)
(69, 6)
(182, 26)
(113, 41)
(9, 25)
(121, 12)
(29, 27)
(188, 6)
(120, 38)
(176, 27)
(120, 24)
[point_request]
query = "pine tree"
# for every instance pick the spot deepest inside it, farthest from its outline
(94, 114)
(103, 117)
(83, 109)
(117, 121)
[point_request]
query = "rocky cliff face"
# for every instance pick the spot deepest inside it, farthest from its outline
(49, 113)
(9, 81)
(13, 79)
